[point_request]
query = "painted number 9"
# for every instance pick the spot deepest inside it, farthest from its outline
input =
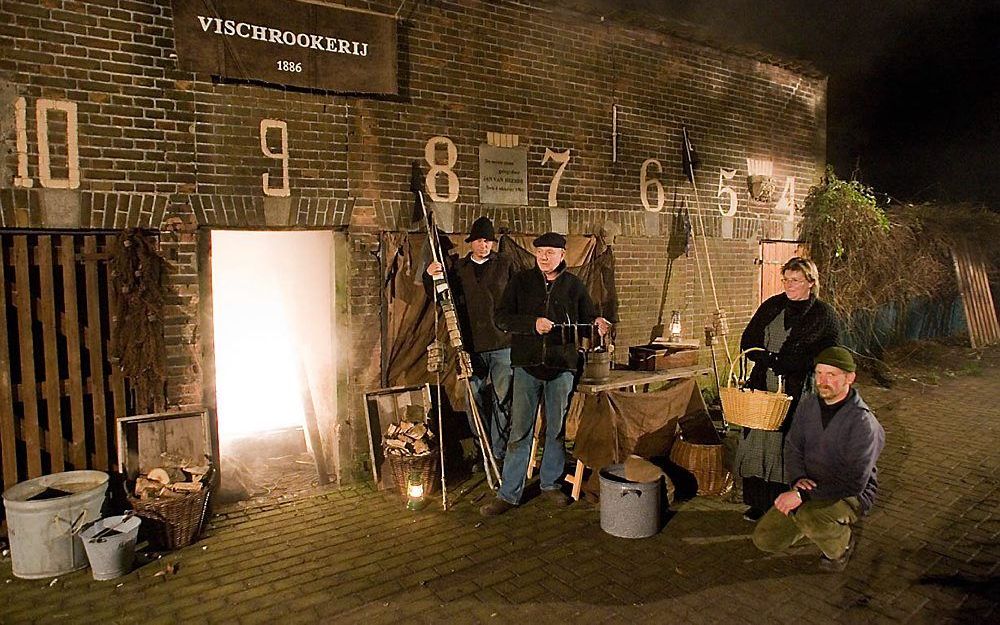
(289, 66)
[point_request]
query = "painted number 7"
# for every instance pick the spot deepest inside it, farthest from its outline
(559, 157)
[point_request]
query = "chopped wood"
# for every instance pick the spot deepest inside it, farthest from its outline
(166, 475)
(196, 472)
(408, 438)
(189, 487)
(166, 491)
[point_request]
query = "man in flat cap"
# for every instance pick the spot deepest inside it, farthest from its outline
(830, 455)
(478, 280)
(544, 361)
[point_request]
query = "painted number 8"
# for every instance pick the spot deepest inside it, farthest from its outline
(430, 155)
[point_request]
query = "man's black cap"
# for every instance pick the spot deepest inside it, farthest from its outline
(482, 228)
(550, 239)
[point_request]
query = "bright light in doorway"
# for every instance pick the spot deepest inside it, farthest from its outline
(271, 306)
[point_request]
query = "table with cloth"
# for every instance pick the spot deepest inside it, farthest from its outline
(610, 420)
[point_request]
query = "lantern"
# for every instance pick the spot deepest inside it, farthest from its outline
(675, 326)
(414, 491)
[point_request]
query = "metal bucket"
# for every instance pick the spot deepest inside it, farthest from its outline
(596, 367)
(628, 509)
(110, 545)
(44, 524)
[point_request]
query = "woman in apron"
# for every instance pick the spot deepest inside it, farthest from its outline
(792, 328)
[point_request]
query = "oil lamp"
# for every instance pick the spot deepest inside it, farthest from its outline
(414, 491)
(675, 326)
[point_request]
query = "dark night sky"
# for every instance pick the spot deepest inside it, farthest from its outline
(914, 101)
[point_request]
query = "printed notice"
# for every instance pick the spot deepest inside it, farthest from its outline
(503, 175)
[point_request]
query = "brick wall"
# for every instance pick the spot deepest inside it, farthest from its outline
(163, 148)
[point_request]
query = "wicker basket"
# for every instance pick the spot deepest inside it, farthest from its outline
(174, 522)
(760, 410)
(403, 466)
(705, 463)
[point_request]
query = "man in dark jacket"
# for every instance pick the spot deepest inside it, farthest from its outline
(478, 280)
(539, 308)
(830, 454)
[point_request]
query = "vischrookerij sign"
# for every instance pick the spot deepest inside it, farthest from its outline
(289, 43)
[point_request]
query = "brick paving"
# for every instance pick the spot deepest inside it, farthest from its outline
(928, 553)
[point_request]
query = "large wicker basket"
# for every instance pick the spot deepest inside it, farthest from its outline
(760, 410)
(705, 463)
(404, 466)
(173, 522)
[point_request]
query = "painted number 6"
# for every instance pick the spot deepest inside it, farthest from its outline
(645, 183)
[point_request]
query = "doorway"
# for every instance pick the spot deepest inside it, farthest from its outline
(774, 254)
(276, 389)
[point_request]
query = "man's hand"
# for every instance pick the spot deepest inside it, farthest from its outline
(434, 269)
(786, 502)
(543, 325)
(603, 325)
(804, 484)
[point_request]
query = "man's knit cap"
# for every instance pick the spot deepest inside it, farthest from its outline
(838, 357)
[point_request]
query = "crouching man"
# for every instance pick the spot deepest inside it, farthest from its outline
(830, 455)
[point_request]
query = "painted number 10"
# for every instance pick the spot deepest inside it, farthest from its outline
(42, 108)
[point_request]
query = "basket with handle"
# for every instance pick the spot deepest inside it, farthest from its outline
(760, 410)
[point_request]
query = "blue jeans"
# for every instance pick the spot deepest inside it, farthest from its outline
(493, 399)
(528, 391)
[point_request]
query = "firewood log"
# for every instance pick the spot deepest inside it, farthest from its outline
(166, 475)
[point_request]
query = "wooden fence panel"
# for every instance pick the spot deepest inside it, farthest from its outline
(980, 313)
(59, 391)
(8, 428)
(71, 329)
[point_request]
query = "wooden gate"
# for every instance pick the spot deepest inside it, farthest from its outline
(59, 392)
(774, 254)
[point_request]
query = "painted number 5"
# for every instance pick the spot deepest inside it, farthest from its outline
(724, 175)
(558, 157)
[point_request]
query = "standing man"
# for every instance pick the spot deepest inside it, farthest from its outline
(544, 363)
(830, 454)
(478, 281)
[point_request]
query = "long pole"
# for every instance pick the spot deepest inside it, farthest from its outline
(443, 295)
(440, 416)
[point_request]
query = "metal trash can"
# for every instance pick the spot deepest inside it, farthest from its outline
(628, 509)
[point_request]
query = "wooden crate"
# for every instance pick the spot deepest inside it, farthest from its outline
(660, 357)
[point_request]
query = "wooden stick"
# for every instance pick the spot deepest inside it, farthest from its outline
(312, 427)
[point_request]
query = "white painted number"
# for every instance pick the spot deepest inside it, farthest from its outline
(42, 108)
(559, 157)
(430, 155)
(646, 182)
(21, 123)
(727, 174)
(284, 190)
(786, 203)
(289, 66)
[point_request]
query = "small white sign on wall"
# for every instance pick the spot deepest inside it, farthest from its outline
(503, 175)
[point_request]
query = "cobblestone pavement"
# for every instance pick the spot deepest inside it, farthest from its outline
(928, 553)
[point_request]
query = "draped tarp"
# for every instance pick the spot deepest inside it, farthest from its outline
(614, 424)
(409, 323)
